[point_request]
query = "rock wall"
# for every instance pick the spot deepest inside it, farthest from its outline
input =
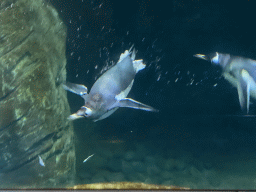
(33, 105)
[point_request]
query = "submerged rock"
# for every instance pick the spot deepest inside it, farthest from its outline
(138, 166)
(33, 106)
(129, 155)
(116, 177)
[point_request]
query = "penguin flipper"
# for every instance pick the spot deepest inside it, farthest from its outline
(126, 102)
(245, 81)
(75, 88)
(231, 79)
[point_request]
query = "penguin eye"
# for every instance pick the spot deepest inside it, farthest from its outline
(87, 111)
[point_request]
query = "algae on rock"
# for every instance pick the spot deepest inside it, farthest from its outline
(33, 105)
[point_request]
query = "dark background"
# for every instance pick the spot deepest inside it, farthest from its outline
(199, 110)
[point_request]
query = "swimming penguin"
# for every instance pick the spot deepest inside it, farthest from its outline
(239, 71)
(109, 91)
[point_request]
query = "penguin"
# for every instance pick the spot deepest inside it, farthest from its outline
(109, 92)
(239, 71)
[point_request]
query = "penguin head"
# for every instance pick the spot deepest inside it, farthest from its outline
(83, 112)
(215, 58)
(221, 59)
(86, 111)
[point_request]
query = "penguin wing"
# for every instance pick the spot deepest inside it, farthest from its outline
(126, 102)
(244, 85)
(75, 88)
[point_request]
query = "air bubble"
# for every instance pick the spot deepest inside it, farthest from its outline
(159, 77)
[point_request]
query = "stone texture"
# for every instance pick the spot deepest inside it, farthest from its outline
(33, 105)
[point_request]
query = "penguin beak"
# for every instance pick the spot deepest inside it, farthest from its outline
(202, 56)
(74, 116)
(79, 114)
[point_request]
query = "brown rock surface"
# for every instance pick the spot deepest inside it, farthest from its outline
(33, 105)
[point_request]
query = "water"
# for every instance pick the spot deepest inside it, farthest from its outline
(200, 139)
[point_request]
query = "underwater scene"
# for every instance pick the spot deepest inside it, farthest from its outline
(101, 94)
